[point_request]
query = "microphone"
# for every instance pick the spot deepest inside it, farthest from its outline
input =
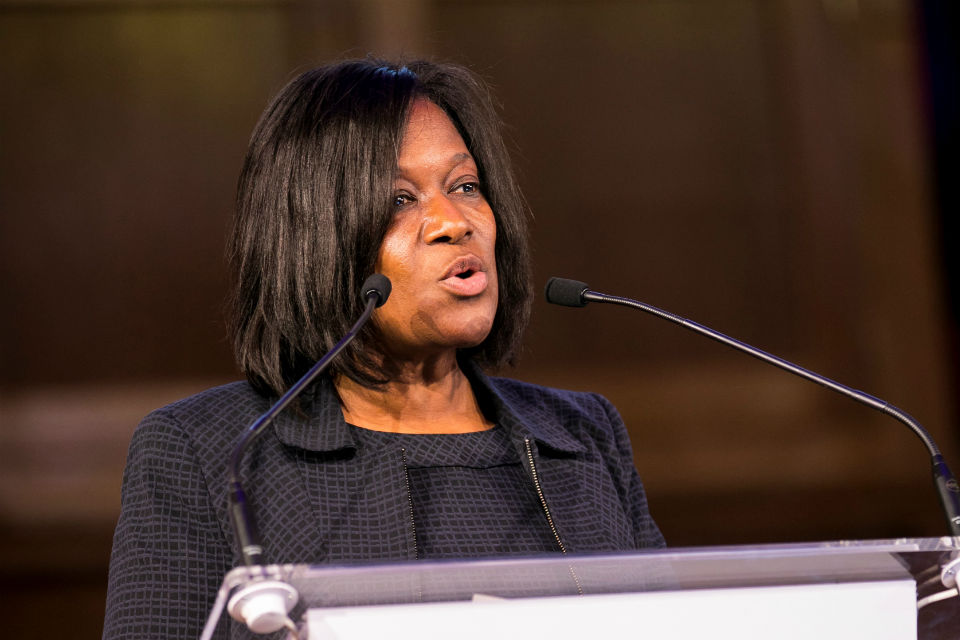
(568, 293)
(264, 604)
(573, 293)
(376, 285)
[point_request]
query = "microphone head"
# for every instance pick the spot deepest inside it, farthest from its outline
(376, 285)
(568, 293)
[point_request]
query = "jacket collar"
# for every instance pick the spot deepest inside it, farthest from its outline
(536, 423)
(319, 425)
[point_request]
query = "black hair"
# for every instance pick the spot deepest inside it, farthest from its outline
(314, 202)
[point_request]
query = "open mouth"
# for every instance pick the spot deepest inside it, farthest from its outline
(465, 277)
(464, 267)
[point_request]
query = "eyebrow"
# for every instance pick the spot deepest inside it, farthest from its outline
(455, 161)
(460, 157)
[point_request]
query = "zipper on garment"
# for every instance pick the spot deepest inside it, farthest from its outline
(543, 501)
(546, 511)
(413, 525)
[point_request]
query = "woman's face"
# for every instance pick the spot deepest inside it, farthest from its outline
(439, 249)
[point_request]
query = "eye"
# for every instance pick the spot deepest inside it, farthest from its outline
(467, 187)
(401, 199)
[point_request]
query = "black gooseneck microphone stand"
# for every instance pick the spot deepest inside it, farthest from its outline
(572, 293)
(263, 604)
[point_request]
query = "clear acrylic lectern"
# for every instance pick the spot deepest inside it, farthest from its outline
(862, 589)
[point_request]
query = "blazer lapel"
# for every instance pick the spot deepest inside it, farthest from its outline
(350, 505)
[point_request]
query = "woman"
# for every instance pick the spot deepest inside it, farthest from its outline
(405, 450)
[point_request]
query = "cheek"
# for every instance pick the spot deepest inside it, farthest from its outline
(394, 257)
(493, 252)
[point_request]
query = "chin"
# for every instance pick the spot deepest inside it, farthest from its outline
(467, 336)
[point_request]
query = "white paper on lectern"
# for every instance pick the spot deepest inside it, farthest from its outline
(876, 610)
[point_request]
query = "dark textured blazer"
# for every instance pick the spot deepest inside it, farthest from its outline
(316, 502)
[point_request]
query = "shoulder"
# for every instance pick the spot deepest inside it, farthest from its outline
(565, 420)
(209, 420)
(235, 399)
(179, 453)
(558, 402)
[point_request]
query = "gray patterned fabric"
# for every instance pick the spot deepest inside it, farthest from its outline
(469, 494)
(316, 500)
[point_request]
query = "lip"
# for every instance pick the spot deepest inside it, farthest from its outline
(474, 284)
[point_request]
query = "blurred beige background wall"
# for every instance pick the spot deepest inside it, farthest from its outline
(760, 166)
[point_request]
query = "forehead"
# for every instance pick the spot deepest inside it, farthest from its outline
(429, 132)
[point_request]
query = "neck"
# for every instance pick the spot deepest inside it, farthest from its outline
(431, 397)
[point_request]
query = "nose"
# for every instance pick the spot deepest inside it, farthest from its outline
(445, 222)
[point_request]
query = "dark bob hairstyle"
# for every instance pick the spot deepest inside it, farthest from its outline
(314, 202)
